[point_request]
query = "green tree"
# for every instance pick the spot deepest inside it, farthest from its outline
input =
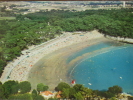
(9, 86)
(95, 92)
(109, 94)
(58, 30)
(78, 87)
(65, 92)
(45, 88)
(25, 86)
(2, 64)
(20, 17)
(25, 96)
(83, 90)
(62, 85)
(34, 94)
(42, 87)
(115, 89)
(72, 91)
(2, 92)
(15, 89)
(39, 97)
(79, 96)
(86, 92)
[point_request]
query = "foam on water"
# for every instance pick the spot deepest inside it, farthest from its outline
(105, 67)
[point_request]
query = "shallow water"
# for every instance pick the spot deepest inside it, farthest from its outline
(105, 68)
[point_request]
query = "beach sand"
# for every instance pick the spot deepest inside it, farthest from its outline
(53, 68)
(46, 63)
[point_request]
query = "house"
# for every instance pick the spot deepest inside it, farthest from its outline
(47, 94)
(73, 82)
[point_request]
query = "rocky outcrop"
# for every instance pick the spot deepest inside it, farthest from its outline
(125, 40)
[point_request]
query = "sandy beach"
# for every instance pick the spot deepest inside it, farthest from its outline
(46, 63)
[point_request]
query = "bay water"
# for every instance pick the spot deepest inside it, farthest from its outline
(108, 64)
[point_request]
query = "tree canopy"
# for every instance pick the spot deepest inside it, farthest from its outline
(61, 86)
(10, 87)
(25, 86)
(115, 89)
(21, 97)
(66, 91)
(42, 87)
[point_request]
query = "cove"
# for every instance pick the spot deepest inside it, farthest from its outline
(103, 69)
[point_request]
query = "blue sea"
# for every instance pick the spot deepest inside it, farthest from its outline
(108, 64)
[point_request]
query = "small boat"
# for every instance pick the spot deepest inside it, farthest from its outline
(120, 77)
(89, 83)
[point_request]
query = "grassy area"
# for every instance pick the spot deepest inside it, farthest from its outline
(7, 18)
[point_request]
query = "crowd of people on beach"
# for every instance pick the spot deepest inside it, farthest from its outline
(20, 67)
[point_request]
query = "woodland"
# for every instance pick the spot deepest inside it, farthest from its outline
(13, 90)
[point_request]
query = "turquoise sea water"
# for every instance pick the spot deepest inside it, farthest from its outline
(105, 67)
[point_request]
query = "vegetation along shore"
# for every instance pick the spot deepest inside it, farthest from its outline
(13, 90)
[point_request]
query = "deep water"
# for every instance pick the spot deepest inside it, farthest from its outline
(105, 67)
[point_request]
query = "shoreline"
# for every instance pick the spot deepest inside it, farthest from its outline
(53, 68)
(124, 40)
(22, 68)
(31, 49)
(19, 68)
